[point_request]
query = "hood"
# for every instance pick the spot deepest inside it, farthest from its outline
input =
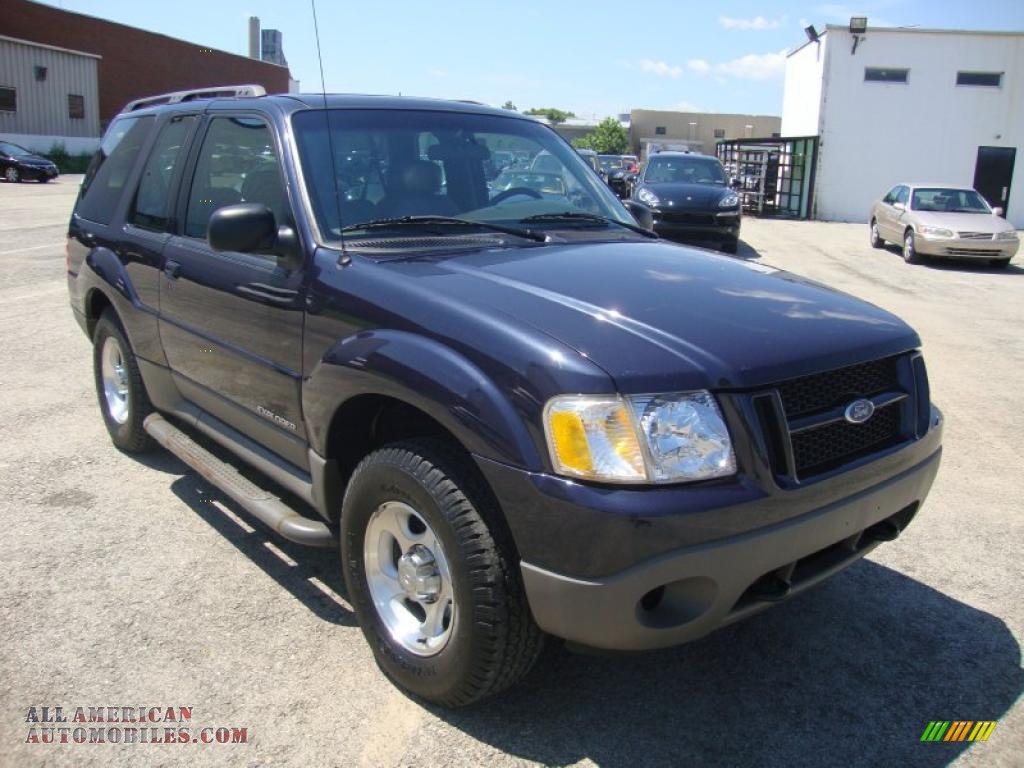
(660, 318)
(33, 160)
(963, 222)
(682, 195)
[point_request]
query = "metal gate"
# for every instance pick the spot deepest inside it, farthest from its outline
(775, 177)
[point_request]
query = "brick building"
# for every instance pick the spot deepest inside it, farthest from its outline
(133, 62)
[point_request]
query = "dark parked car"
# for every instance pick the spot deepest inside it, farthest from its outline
(18, 164)
(510, 415)
(690, 199)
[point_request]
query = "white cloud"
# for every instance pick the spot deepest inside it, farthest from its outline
(758, 22)
(700, 66)
(661, 68)
(753, 66)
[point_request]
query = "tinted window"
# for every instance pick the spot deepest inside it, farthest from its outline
(880, 75)
(13, 150)
(237, 164)
(719, 133)
(901, 195)
(108, 172)
(659, 130)
(8, 100)
(890, 196)
(151, 201)
(991, 79)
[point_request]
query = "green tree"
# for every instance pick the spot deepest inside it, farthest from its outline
(555, 116)
(509, 105)
(609, 138)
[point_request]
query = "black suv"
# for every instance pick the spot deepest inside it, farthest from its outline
(515, 414)
(690, 198)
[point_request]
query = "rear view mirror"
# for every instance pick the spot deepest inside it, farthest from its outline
(997, 211)
(243, 228)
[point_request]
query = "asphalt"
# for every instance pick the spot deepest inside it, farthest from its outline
(127, 582)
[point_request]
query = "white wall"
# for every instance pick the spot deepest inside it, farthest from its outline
(929, 129)
(801, 100)
(73, 144)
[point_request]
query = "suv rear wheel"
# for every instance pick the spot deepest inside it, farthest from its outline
(119, 387)
(432, 577)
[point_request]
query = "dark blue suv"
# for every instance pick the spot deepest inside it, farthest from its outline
(515, 414)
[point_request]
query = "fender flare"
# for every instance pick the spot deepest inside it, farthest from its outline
(427, 375)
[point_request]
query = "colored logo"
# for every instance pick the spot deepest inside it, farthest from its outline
(859, 411)
(958, 730)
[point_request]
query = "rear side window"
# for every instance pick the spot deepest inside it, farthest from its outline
(108, 172)
(150, 210)
(237, 164)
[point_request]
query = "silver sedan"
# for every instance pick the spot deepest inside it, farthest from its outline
(942, 220)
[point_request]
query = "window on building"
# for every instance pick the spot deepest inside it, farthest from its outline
(659, 130)
(8, 99)
(151, 201)
(719, 133)
(76, 106)
(885, 75)
(776, 135)
(990, 79)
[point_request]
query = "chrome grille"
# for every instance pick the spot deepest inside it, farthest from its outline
(975, 235)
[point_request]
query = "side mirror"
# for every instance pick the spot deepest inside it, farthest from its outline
(900, 206)
(997, 211)
(243, 228)
(641, 213)
(251, 228)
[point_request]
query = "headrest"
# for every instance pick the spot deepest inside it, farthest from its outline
(421, 177)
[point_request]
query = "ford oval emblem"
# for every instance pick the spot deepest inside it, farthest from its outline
(859, 411)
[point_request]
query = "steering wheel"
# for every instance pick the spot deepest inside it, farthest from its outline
(513, 191)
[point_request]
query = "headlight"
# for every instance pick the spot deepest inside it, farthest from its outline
(935, 232)
(731, 200)
(644, 195)
(640, 439)
(1008, 235)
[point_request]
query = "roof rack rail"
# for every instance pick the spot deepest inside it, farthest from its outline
(212, 92)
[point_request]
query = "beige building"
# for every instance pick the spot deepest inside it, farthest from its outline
(696, 131)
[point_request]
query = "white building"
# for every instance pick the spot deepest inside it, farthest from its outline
(893, 105)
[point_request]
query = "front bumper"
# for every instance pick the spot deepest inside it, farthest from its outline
(36, 172)
(679, 575)
(960, 248)
(715, 225)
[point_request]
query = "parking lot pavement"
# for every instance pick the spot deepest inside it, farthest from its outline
(129, 583)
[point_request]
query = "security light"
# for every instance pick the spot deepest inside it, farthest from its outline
(858, 24)
(812, 33)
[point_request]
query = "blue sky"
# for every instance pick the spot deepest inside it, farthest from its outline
(595, 58)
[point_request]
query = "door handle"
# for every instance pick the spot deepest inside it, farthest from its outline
(172, 269)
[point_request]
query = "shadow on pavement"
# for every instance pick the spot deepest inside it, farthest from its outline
(849, 673)
(308, 565)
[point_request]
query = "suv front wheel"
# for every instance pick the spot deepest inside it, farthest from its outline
(432, 576)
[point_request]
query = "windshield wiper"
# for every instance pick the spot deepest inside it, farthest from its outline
(967, 210)
(584, 217)
(401, 221)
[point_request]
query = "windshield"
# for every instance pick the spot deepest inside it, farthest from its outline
(485, 168)
(686, 169)
(13, 150)
(609, 162)
(948, 201)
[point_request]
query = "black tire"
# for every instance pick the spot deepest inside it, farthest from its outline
(12, 174)
(44, 179)
(127, 434)
(1000, 263)
(730, 246)
(876, 239)
(910, 254)
(494, 641)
